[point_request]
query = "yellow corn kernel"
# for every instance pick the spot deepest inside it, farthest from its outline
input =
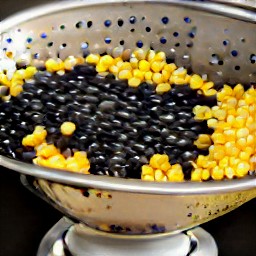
(67, 128)
(148, 75)
(29, 141)
(125, 74)
(134, 82)
(177, 80)
(165, 166)
(157, 160)
(72, 165)
(138, 74)
(80, 154)
(147, 170)
(230, 134)
(39, 134)
(242, 132)
(163, 87)
(220, 114)
(206, 86)
(217, 173)
(201, 160)
(250, 140)
(205, 174)
(101, 68)
(196, 82)
(229, 172)
(180, 72)
(196, 174)
(134, 62)
(29, 72)
(249, 99)
(150, 55)
(106, 60)
(69, 63)
(148, 178)
(47, 151)
(16, 90)
(241, 143)
(238, 91)
(203, 141)
(242, 169)
(231, 103)
(217, 152)
(209, 92)
(224, 162)
(114, 69)
(144, 65)
(175, 174)
(218, 138)
(231, 149)
(125, 66)
(212, 123)
(157, 66)
(202, 112)
(93, 59)
(241, 112)
(157, 78)
(4, 80)
(165, 75)
(239, 122)
(140, 54)
(54, 65)
(118, 61)
(170, 67)
(57, 162)
(160, 176)
(244, 156)
(160, 56)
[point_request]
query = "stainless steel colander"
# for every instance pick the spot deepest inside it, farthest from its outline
(214, 39)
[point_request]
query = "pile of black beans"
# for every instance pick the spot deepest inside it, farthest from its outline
(118, 126)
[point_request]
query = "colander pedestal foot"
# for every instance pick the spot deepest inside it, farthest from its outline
(69, 239)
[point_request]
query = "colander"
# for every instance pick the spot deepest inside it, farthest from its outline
(210, 38)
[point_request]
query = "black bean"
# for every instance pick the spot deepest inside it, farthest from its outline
(169, 118)
(4, 90)
(107, 106)
(183, 142)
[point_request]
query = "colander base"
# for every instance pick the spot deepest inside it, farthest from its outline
(66, 238)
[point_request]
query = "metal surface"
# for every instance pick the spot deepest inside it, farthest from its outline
(81, 240)
(136, 213)
(215, 39)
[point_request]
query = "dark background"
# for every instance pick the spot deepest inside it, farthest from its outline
(24, 218)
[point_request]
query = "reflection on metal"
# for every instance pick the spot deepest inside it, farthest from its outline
(65, 239)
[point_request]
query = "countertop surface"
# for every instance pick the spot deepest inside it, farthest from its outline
(24, 218)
